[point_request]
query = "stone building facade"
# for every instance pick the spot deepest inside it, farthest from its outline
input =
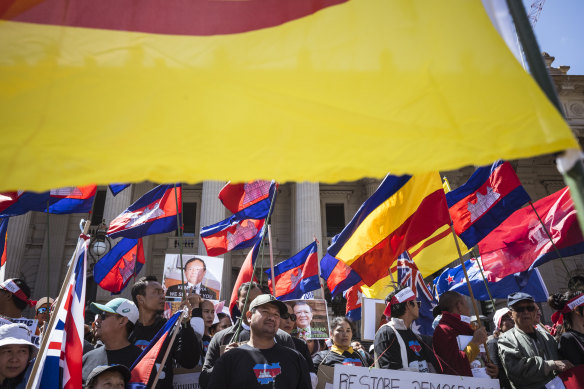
(40, 245)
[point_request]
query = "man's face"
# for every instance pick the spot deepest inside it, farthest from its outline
(153, 298)
(110, 380)
(13, 360)
(303, 315)
(507, 322)
(264, 320)
(414, 309)
(463, 307)
(253, 293)
(42, 314)
(288, 324)
(208, 313)
(523, 313)
(195, 271)
(108, 326)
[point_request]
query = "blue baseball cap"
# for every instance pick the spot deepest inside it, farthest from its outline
(516, 297)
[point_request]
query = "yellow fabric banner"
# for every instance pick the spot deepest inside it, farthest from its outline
(353, 90)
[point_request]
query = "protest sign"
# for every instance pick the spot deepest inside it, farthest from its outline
(311, 318)
(371, 308)
(353, 377)
(186, 378)
(202, 275)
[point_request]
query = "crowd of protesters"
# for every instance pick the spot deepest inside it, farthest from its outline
(261, 347)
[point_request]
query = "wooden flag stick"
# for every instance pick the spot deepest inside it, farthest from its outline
(34, 378)
(272, 260)
(485, 281)
(474, 302)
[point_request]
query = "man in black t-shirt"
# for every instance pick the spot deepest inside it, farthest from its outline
(261, 361)
(115, 321)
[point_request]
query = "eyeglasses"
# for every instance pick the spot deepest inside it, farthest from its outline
(290, 316)
(528, 308)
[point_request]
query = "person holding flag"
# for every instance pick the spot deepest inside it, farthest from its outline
(396, 345)
(14, 298)
(148, 295)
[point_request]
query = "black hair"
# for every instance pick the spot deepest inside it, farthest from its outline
(220, 316)
(397, 310)
(21, 305)
(338, 320)
(195, 259)
(447, 302)
(139, 287)
(559, 300)
(245, 287)
(129, 328)
(576, 283)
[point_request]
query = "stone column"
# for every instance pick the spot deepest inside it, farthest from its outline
(212, 211)
(55, 237)
(371, 186)
(18, 228)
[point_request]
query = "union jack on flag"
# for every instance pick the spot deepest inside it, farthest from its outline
(409, 275)
(60, 362)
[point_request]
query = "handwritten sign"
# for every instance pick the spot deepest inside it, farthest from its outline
(353, 377)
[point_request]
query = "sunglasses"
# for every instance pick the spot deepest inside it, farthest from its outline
(105, 315)
(528, 308)
(43, 310)
(290, 316)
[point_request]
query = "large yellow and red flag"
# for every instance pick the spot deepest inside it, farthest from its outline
(319, 90)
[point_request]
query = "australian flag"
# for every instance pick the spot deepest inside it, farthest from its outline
(114, 271)
(74, 199)
(296, 275)
(3, 243)
(454, 279)
(144, 368)
(489, 197)
(239, 231)
(236, 197)
(60, 362)
(409, 275)
(154, 213)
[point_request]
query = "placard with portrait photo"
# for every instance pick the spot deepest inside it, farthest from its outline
(202, 275)
(311, 318)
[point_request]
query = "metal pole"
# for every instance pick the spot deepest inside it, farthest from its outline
(49, 251)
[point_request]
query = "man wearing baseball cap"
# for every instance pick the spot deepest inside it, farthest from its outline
(115, 322)
(261, 361)
(16, 351)
(108, 377)
(529, 355)
(14, 298)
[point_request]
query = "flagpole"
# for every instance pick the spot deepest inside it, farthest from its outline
(272, 260)
(266, 222)
(163, 361)
(179, 217)
(549, 237)
(319, 271)
(474, 302)
(479, 262)
(48, 253)
(46, 335)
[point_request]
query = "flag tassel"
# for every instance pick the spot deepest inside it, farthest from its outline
(46, 336)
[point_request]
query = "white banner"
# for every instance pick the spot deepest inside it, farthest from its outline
(353, 377)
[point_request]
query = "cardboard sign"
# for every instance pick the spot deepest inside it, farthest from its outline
(353, 377)
(371, 308)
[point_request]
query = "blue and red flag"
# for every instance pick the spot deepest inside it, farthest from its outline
(489, 197)
(153, 213)
(239, 231)
(75, 199)
(296, 275)
(338, 276)
(59, 364)
(3, 244)
(117, 188)
(409, 275)
(353, 296)
(114, 271)
(236, 197)
(144, 368)
(246, 274)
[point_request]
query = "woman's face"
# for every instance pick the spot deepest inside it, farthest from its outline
(208, 313)
(342, 335)
(13, 360)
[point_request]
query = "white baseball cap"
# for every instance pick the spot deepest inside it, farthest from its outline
(15, 334)
(120, 306)
(499, 313)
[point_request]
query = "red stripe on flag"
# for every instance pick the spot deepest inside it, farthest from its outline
(430, 241)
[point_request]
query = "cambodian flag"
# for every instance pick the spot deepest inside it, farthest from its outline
(338, 276)
(144, 368)
(296, 275)
(353, 297)
(60, 362)
(117, 188)
(238, 231)
(489, 197)
(114, 271)
(3, 243)
(75, 199)
(246, 274)
(236, 197)
(154, 213)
